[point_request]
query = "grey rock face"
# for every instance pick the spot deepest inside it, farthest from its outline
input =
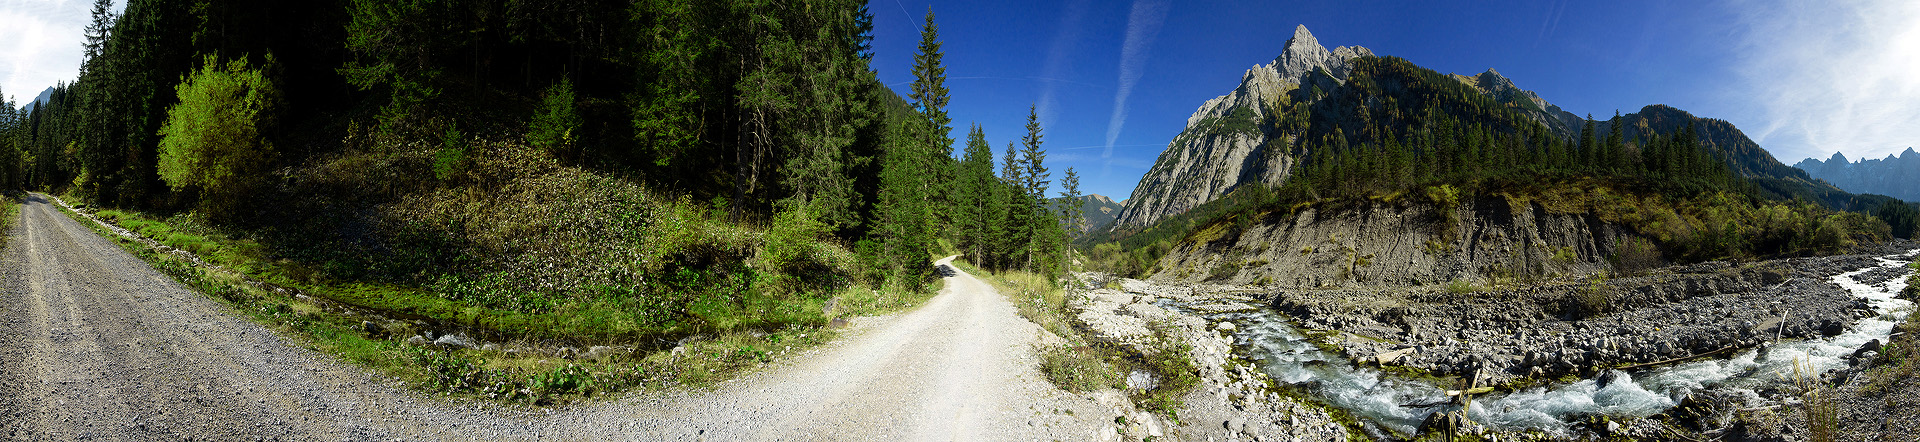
(1397, 245)
(1216, 153)
(1225, 144)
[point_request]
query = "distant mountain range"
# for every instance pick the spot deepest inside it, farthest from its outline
(1895, 176)
(1243, 137)
(30, 105)
(1098, 211)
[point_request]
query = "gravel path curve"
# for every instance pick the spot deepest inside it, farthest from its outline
(96, 345)
(959, 368)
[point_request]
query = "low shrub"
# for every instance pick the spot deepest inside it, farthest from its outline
(1078, 368)
(1171, 362)
(1591, 298)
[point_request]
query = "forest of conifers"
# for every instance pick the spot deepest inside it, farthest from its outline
(226, 108)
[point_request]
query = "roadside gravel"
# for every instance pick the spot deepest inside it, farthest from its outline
(99, 346)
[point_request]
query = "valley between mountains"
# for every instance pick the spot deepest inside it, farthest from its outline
(367, 220)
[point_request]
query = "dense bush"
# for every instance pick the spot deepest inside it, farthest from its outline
(556, 123)
(214, 139)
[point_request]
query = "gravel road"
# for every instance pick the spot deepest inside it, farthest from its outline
(96, 345)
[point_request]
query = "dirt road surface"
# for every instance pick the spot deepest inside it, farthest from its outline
(96, 345)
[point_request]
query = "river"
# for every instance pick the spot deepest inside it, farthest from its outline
(1400, 404)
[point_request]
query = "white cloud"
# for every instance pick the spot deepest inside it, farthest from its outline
(40, 43)
(1143, 23)
(1824, 77)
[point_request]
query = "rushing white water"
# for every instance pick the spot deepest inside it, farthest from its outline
(1400, 404)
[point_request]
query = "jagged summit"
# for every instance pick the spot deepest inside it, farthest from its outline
(1303, 55)
(1204, 162)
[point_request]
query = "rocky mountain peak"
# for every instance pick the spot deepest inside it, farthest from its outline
(1303, 54)
(1204, 163)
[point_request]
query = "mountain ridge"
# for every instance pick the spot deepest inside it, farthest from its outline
(1251, 135)
(1895, 176)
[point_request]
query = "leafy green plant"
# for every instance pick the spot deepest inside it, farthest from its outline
(556, 124)
(1591, 298)
(217, 138)
(790, 241)
(1171, 363)
(451, 159)
(1564, 255)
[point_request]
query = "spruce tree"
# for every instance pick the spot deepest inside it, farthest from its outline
(1070, 214)
(929, 95)
(1012, 196)
(1034, 174)
(1616, 153)
(975, 195)
(1587, 146)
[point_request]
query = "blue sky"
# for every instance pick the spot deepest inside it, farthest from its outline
(1804, 79)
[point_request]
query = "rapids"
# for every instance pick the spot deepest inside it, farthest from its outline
(1288, 356)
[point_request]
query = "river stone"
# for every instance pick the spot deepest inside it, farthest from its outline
(373, 329)
(416, 340)
(453, 340)
(599, 351)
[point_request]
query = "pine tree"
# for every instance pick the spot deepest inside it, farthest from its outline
(98, 31)
(1033, 158)
(1587, 145)
(1012, 226)
(1070, 213)
(975, 195)
(1616, 153)
(929, 95)
(1034, 172)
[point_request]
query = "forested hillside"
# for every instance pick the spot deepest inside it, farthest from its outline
(577, 171)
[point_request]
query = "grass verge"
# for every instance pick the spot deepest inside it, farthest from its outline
(9, 211)
(1084, 364)
(370, 324)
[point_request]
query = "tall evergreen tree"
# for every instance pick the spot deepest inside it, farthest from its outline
(1034, 182)
(974, 198)
(1070, 214)
(1587, 146)
(929, 95)
(1012, 231)
(97, 31)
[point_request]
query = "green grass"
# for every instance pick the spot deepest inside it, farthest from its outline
(1461, 287)
(9, 211)
(1079, 369)
(724, 332)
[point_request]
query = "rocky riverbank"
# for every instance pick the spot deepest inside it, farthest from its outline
(1582, 327)
(1542, 333)
(1235, 400)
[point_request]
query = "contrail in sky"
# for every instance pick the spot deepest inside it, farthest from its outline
(1142, 24)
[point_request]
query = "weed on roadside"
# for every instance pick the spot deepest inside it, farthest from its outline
(9, 211)
(1078, 369)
